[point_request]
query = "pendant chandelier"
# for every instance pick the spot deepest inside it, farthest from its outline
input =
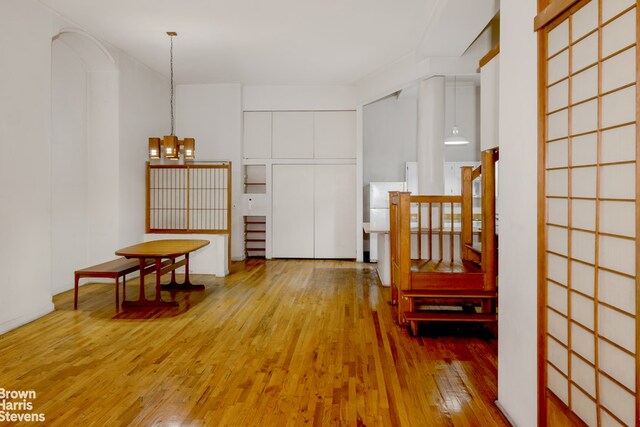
(455, 138)
(170, 145)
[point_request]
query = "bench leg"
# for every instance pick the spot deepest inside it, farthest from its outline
(117, 293)
(124, 287)
(75, 293)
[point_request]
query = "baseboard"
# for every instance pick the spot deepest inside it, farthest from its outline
(24, 319)
(505, 413)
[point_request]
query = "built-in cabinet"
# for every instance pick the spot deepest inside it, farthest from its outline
(310, 180)
(334, 211)
(293, 211)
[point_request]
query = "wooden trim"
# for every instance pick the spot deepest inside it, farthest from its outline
(541, 220)
(147, 214)
(489, 260)
(475, 174)
(229, 206)
(550, 12)
(420, 230)
(596, 278)
(436, 199)
(466, 236)
(451, 238)
(637, 278)
(489, 56)
(221, 165)
(184, 231)
(559, 405)
(441, 226)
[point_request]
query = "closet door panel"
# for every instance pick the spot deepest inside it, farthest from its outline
(257, 135)
(335, 211)
(335, 135)
(292, 212)
(292, 135)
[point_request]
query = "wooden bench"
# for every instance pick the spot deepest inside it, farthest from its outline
(115, 269)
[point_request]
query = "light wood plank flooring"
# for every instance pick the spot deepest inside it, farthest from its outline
(276, 343)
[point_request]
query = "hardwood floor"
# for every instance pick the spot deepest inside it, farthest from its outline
(275, 343)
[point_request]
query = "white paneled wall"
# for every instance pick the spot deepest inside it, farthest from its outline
(590, 212)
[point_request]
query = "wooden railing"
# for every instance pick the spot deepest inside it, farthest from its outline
(442, 219)
(191, 198)
(488, 238)
(440, 223)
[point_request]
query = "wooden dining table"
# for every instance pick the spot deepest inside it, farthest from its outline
(168, 255)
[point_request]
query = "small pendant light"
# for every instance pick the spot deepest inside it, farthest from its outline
(455, 138)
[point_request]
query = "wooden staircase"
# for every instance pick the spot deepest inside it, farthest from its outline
(435, 282)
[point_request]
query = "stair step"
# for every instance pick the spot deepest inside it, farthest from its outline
(450, 316)
(449, 293)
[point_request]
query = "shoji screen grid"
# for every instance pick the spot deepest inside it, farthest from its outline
(191, 198)
(590, 194)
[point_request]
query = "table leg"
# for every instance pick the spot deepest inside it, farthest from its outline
(142, 301)
(184, 286)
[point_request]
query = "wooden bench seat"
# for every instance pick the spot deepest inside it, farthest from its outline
(114, 269)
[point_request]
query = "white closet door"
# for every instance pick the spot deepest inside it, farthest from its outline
(292, 211)
(292, 135)
(335, 135)
(257, 135)
(335, 211)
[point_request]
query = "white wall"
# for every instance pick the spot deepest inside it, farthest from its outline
(144, 112)
(273, 98)
(468, 120)
(490, 95)
(389, 127)
(517, 345)
(102, 166)
(212, 114)
(69, 164)
(25, 165)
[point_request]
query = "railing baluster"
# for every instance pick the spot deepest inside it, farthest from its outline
(451, 240)
(419, 230)
(430, 231)
(441, 230)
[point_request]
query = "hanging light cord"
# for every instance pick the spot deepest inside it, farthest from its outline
(172, 114)
(455, 95)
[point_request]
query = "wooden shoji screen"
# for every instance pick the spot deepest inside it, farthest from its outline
(588, 205)
(192, 198)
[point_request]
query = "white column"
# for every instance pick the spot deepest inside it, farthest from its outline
(430, 137)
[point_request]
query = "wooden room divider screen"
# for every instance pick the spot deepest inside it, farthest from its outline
(588, 249)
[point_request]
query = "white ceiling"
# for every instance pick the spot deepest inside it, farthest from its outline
(454, 24)
(257, 42)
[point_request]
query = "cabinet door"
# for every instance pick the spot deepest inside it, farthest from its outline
(292, 211)
(335, 135)
(257, 135)
(335, 211)
(292, 135)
